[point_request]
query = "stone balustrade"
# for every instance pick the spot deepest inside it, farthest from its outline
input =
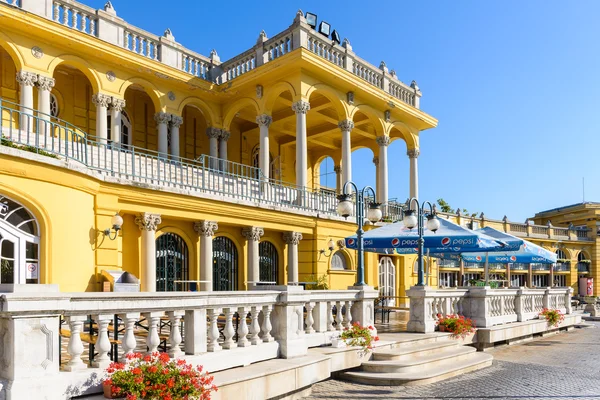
(485, 306)
(219, 330)
(106, 25)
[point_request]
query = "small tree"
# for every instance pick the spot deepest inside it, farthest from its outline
(444, 206)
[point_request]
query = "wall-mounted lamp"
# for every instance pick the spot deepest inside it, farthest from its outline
(330, 247)
(117, 223)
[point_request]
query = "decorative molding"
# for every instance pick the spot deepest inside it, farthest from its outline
(25, 78)
(253, 233)
(162, 117)
(37, 52)
(413, 153)
(176, 121)
(337, 169)
(259, 91)
(383, 141)
(45, 82)
(49, 346)
(225, 135)
(110, 75)
(148, 221)
(376, 160)
(264, 120)
(118, 104)
(108, 7)
(101, 100)
(301, 107)
(171, 96)
(350, 98)
(206, 228)
(262, 37)
(387, 115)
(169, 35)
(346, 125)
(292, 237)
(213, 133)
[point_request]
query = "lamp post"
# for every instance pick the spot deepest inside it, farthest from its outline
(345, 208)
(411, 220)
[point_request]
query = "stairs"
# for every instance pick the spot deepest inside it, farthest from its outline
(418, 364)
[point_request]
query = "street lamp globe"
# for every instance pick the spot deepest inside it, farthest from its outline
(344, 207)
(116, 222)
(374, 214)
(410, 219)
(433, 223)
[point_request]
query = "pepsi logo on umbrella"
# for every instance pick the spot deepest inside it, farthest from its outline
(513, 258)
(350, 242)
(395, 242)
(445, 241)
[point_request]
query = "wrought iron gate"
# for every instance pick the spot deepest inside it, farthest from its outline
(269, 262)
(172, 260)
(225, 264)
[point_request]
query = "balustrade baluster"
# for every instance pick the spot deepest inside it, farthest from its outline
(338, 315)
(148, 49)
(75, 347)
(266, 325)
(74, 18)
(254, 326)
(228, 331)
(213, 330)
(153, 339)
(102, 343)
(134, 39)
(129, 342)
(348, 315)
(242, 331)
(92, 26)
(56, 12)
(66, 15)
(309, 317)
(175, 334)
(83, 23)
(330, 326)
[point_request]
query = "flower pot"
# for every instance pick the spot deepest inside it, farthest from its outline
(107, 391)
(443, 328)
(338, 343)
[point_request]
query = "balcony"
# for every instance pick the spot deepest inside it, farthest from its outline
(540, 267)
(562, 267)
(519, 267)
(583, 267)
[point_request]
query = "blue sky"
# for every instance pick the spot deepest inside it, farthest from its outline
(514, 84)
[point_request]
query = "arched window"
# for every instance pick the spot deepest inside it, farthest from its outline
(273, 172)
(19, 244)
(339, 261)
(268, 263)
(125, 130)
(225, 264)
(582, 257)
(172, 262)
(53, 105)
(560, 255)
(387, 281)
(327, 174)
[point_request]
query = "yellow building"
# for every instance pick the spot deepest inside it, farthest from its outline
(213, 166)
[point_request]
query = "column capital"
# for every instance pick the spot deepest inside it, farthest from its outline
(118, 104)
(206, 228)
(337, 169)
(213, 133)
(383, 141)
(26, 78)
(148, 221)
(176, 121)
(376, 160)
(162, 117)
(224, 135)
(346, 125)
(413, 153)
(253, 233)
(264, 120)
(101, 100)
(301, 107)
(292, 237)
(45, 82)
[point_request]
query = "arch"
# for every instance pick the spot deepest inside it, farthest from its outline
(13, 51)
(341, 261)
(273, 94)
(172, 261)
(79, 63)
(149, 88)
(333, 96)
(387, 280)
(226, 264)
(373, 115)
(583, 255)
(563, 253)
(411, 140)
(207, 112)
(233, 109)
(269, 262)
(326, 173)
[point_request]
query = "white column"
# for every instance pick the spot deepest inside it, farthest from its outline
(115, 120)
(383, 142)
(253, 235)
(162, 120)
(264, 122)
(301, 107)
(176, 122)
(292, 239)
(223, 138)
(213, 137)
(101, 101)
(413, 154)
(45, 85)
(346, 127)
(338, 178)
(378, 188)
(26, 80)
(148, 223)
(206, 230)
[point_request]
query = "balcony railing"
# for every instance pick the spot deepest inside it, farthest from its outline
(583, 267)
(519, 267)
(562, 267)
(540, 267)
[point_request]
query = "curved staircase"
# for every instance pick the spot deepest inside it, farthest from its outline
(418, 364)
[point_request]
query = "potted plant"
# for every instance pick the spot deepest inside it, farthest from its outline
(553, 317)
(458, 325)
(357, 336)
(156, 376)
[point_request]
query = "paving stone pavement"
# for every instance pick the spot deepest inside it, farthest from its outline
(559, 367)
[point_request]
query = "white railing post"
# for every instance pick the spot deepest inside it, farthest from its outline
(568, 305)
(75, 347)
(43, 8)
(255, 326)
(175, 334)
(242, 331)
(103, 343)
(421, 306)
(287, 320)
(129, 343)
(153, 339)
(320, 316)
(547, 298)
(266, 327)
(195, 332)
(363, 309)
(228, 331)
(309, 317)
(213, 330)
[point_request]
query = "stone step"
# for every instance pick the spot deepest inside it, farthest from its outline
(416, 350)
(420, 363)
(441, 371)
